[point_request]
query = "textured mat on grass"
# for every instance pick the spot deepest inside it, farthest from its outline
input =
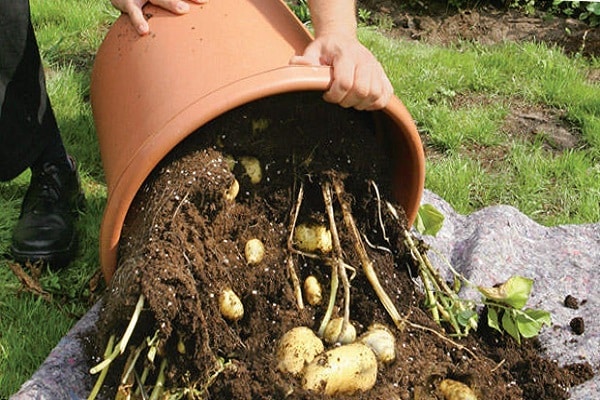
(487, 247)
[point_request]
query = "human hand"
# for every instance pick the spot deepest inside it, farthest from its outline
(133, 8)
(358, 81)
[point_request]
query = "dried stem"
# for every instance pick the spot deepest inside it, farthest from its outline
(338, 262)
(361, 251)
(290, 258)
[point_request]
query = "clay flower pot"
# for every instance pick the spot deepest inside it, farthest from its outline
(149, 93)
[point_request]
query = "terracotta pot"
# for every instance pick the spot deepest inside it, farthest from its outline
(149, 93)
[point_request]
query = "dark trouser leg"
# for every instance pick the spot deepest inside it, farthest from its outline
(29, 137)
(29, 134)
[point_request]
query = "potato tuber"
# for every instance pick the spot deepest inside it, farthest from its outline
(342, 370)
(296, 348)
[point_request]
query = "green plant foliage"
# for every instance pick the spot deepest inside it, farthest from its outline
(514, 292)
(505, 311)
(364, 16)
(585, 11)
(429, 220)
(300, 8)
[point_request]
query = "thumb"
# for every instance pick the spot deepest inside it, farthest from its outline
(304, 60)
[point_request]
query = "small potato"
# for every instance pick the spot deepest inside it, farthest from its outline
(381, 340)
(312, 237)
(253, 168)
(233, 190)
(296, 348)
(455, 390)
(230, 161)
(313, 291)
(230, 305)
(333, 332)
(342, 370)
(259, 125)
(254, 251)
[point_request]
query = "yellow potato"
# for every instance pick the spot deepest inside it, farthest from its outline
(253, 168)
(296, 348)
(313, 291)
(333, 332)
(455, 390)
(230, 305)
(342, 370)
(233, 190)
(312, 237)
(382, 341)
(254, 250)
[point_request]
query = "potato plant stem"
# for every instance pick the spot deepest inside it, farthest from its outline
(120, 347)
(157, 391)
(290, 259)
(130, 365)
(441, 298)
(338, 254)
(331, 303)
(361, 251)
(104, 372)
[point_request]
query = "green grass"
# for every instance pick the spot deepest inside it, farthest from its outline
(459, 97)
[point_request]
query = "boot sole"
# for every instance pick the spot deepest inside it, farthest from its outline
(55, 259)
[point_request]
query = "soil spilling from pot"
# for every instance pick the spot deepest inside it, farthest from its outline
(183, 244)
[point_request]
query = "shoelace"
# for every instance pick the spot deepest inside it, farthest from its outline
(45, 191)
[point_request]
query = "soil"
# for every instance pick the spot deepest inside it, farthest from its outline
(183, 243)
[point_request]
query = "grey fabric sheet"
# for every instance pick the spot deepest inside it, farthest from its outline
(487, 247)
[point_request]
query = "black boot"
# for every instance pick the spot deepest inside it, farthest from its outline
(45, 230)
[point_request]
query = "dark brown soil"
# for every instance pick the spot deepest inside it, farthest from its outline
(183, 244)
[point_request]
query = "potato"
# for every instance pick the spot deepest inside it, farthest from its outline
(313, 291)
(230, 161)
(259, 125)
(342, 370)
(312, 238)
(230, 305)
(334, 328)
(253, 168)
(254, 250)
(232, 192)
(296, 348)
(455, 390)
(381, 340)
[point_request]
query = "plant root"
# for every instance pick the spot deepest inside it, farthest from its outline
(290, 259)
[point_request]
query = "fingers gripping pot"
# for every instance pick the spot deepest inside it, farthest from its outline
(149, 93)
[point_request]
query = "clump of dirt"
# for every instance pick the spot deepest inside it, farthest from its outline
(183, 243)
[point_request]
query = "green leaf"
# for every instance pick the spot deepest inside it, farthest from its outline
(514, 292)
(530, 322)
(492, 319)
(429, 220)
(509, 325)
(593, 8)
(465, 316)
(539, 315)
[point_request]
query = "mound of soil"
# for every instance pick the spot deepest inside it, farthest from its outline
(183, 243)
